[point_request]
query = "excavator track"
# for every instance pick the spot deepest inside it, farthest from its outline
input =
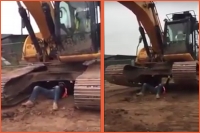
(185, 73)
(17, 73)
(87, 88)
(114, 75)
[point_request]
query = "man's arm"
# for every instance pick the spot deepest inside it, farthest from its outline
(167, 82)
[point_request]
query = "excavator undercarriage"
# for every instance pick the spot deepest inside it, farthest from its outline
(82, 81)
(183, 73)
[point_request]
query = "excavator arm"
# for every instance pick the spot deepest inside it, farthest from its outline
(35, 8)
(147, 15)
(51, 39)
(43, 14)
(165, 45)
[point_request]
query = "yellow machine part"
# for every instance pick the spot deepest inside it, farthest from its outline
(83, 57)
(146, 17)
(142, 57)
(29, 52)
(34, 7)
(149, 20)
(178, 57)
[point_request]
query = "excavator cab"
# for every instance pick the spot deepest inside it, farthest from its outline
(181, 36)
(77, 27)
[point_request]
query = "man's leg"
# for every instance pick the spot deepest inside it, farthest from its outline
(145, 87)
(36, 91)
(159, 90)
(56, 97)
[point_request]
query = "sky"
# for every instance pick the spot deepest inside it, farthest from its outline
(11, 20)
(121, 27)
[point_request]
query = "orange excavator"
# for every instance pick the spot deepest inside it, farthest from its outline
(171, 52)
(67, 49)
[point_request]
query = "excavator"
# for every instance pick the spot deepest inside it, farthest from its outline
(66, 49)
(171, 52)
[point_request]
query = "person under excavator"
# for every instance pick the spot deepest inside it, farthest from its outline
(57, 92)
(157, 89)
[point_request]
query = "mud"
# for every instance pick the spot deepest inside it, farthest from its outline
(42, 118)
(177, 110)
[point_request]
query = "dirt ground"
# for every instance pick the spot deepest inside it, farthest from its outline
(42, 118)
(177, 110)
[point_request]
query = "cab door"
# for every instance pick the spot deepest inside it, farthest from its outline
(76, 27)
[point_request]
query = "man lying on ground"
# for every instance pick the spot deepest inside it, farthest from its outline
(157, 89)
(57, 92)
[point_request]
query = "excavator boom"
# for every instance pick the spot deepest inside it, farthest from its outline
(60, 35)
(35, 8)
(147, 15)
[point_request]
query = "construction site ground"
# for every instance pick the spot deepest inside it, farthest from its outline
(177, 110)
(42, 118)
